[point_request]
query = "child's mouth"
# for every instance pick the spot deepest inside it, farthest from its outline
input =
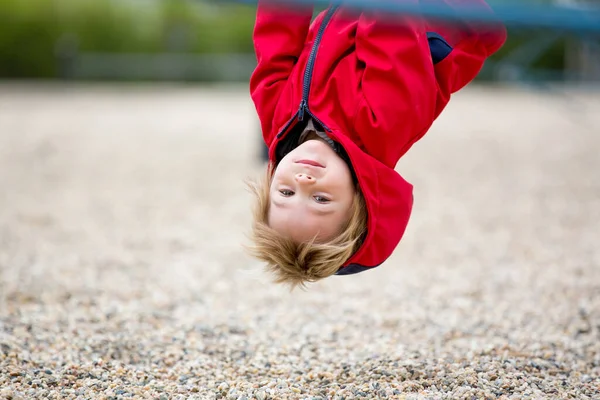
(310, 162)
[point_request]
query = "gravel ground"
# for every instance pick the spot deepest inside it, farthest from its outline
(122, 215)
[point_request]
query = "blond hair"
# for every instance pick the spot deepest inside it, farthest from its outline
(294, 263)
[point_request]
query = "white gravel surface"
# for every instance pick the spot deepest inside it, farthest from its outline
(122, 274)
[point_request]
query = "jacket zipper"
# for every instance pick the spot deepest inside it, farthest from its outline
(308, 72)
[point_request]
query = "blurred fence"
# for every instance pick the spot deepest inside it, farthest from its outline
(75, 65)
(194, 40)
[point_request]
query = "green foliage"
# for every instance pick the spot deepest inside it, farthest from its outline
(33, 31)
(551, 59)
(27, 34)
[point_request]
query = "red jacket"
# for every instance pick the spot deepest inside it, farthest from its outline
(376, 84)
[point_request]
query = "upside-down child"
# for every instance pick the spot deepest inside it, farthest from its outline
(340, 100)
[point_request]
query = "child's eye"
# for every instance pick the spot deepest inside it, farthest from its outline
(321, 199)
(286, 192)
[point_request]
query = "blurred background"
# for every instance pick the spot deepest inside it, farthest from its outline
(126, 135)
(210, 41)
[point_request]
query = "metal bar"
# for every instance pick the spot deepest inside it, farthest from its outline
(523, 14)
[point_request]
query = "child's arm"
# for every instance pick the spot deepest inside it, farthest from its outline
(403, 91)
(279, 36)
(398, 87)
(472, 43)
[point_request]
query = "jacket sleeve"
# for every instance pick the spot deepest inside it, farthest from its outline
(398, 84)
(404, 87)
(279, 36)
(471, 44)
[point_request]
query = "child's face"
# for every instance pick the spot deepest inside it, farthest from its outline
(308, 200)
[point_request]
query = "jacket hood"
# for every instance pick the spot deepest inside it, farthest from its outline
(389, 200)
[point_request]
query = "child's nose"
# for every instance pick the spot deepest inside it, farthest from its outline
(304, 178)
